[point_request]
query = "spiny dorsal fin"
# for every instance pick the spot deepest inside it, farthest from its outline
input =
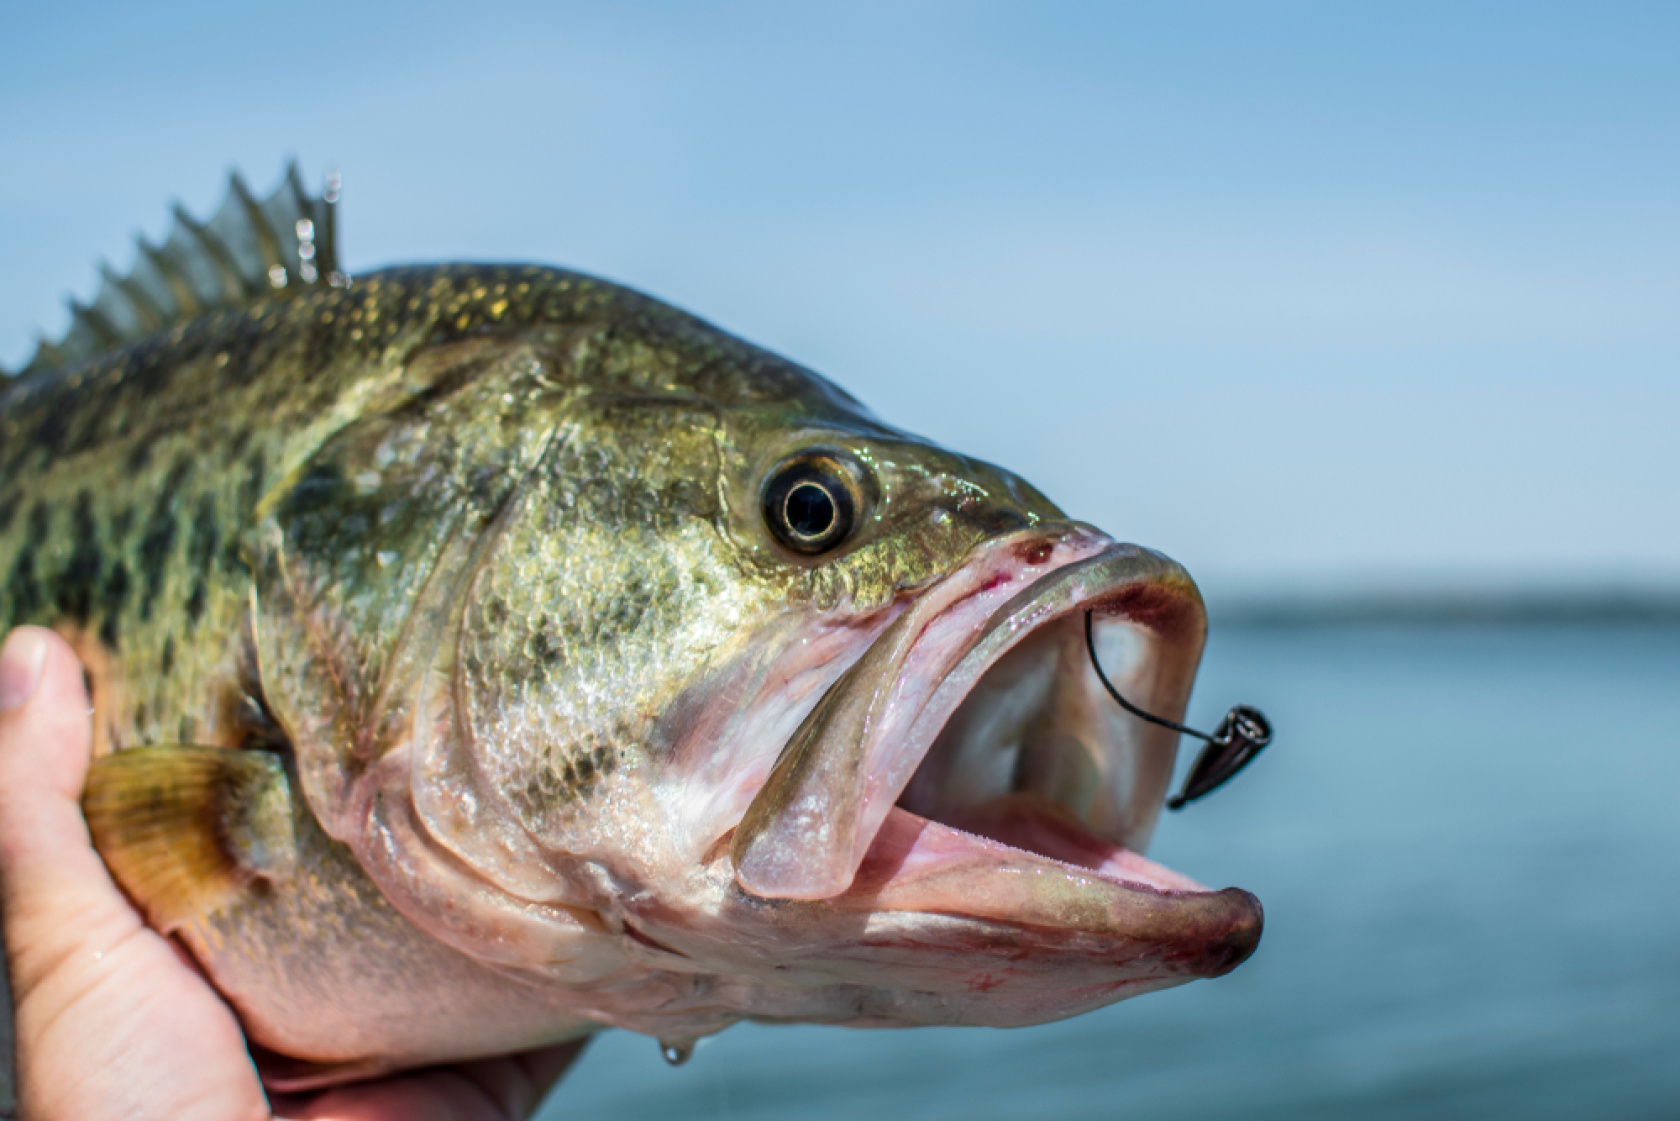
(251, 249)
(185, 830)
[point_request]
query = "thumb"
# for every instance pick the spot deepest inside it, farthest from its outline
(110, 1021)
(55, 894)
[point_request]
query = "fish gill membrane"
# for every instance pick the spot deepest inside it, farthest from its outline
(482, 655)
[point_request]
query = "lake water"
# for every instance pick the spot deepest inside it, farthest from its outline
(1468, 848)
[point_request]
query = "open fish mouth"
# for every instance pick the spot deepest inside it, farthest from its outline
(970, 764)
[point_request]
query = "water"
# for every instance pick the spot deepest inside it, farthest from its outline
(1469, 852)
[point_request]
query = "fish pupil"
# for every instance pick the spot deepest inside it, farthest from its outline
(811, 502)
(810, 510)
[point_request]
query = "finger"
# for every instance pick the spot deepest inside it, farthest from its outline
(508, 1088)
(545, 1066)
(519, 1083)
(55, 894)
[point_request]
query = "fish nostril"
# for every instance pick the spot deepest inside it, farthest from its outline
(1035, 552)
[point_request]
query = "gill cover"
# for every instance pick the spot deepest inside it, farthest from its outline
(362, 558)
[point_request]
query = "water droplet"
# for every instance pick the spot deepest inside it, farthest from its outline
(676, 1052)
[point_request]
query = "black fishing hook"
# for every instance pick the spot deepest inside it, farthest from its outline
(1242, 735)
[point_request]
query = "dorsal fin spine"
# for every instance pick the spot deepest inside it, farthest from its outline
(42, 346)
(149, 313)
(92, 319)
(249, 250)
(326, 241)
(186, 300)
(267, 244)
(233, 286)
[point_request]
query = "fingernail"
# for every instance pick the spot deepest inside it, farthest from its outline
(21, 660)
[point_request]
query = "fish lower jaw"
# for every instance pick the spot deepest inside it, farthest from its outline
(1023, 863)
(1033, 826)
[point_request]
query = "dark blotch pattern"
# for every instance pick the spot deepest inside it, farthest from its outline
(202, 550)
(572, 775)
(115, 599)
(23, 585)
(157, 543)
(139, 457)
(79, 585)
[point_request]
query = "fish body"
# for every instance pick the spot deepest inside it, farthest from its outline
(484, 654)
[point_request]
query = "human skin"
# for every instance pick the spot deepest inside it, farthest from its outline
(111, 1020)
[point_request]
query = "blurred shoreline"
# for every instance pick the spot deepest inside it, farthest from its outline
(1429, 608)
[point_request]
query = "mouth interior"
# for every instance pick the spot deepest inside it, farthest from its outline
(1035, 759)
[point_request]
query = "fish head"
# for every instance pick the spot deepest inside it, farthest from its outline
(822, 728)
(682, 687)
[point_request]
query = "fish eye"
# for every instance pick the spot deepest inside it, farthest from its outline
(811, 503)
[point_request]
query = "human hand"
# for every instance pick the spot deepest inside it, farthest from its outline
(111, 1020)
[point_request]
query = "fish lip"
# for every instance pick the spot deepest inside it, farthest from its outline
(1142, 932)
(807, 832)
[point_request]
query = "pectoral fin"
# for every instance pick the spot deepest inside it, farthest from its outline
(186, 830)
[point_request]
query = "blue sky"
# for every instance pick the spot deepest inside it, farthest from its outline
(1304, 295)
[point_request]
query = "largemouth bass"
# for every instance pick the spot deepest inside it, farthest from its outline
(485, 654)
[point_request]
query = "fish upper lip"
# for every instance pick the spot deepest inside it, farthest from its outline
(808, 830)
